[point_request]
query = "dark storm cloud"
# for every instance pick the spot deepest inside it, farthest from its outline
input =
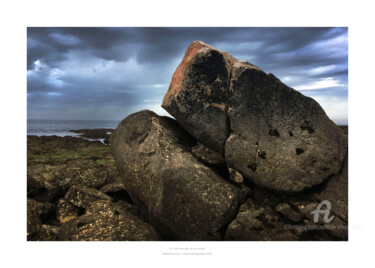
(76, 72)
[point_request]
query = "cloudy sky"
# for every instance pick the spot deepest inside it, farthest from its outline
(109, 73)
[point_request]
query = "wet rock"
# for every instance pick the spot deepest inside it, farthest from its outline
(287, 211)
(82, 196)
(256, 222)
(180, 196)
(106, 221)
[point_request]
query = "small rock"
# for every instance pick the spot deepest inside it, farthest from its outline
(235, 176)
(81, 196)
(66, 211)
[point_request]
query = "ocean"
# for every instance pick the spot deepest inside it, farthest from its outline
(41, 127)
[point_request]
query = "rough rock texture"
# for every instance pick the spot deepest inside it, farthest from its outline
(271, 134)
(65, 211)
(195, 95)
(336, 191)
(64, 175)
(83, 196)
(207, 155)
(256, 222)
(255, 163)
(280, 139)
(179, 195)
(45, 182)
(287, 211)
(36, 211)
(117, 191)
(107, 221)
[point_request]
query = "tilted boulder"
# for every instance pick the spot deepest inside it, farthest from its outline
(280, 139)
(273, 135)
(182, 197)
(195, 95)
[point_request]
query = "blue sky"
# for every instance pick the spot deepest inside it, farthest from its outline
(109, 73)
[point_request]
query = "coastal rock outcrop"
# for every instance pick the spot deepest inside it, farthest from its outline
(46, 182)
(247, 159)
(273, 135)
(106, 221)
(182, 197)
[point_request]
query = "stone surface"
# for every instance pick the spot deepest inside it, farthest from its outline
(235, 176)
(336, 191)
(66, 211)
(46, 181)
(287, 211)
(36, 211)
(195, 94)
(280, 139)
(107, 221)
(335, 226)
(270, 133)
(117, 191)
(256, 222)
(48, 233)
(207, 155)
(81, 196)
(180, 196)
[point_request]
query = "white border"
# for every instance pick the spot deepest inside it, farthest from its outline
(17, 15)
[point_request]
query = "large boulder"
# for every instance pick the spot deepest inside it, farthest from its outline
(273, 135)
(196, 94)
(280, 139)
(182, 197)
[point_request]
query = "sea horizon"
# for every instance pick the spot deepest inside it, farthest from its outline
(62, 127)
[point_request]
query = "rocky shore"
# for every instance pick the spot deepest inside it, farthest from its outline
(98, 133)
(246, 158)
(74, 193)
